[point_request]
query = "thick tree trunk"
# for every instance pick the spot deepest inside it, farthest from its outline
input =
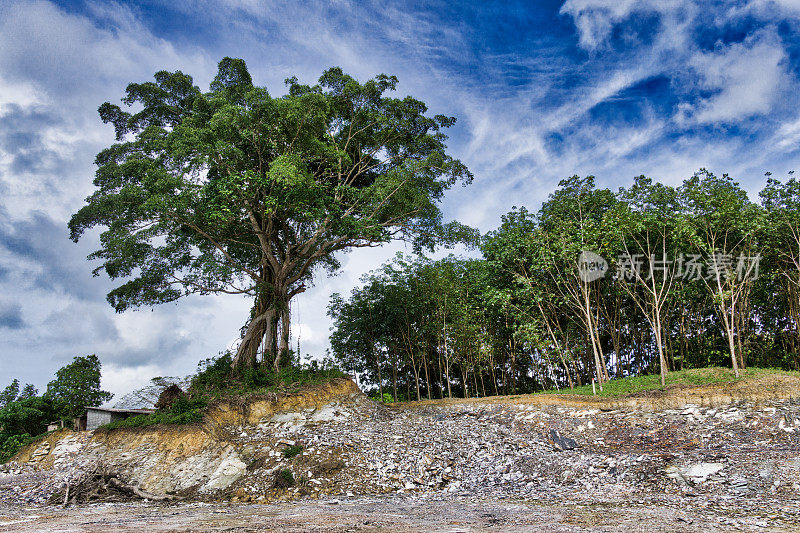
(247, 352)
(283, 347)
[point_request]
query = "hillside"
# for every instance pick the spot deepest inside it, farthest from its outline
(721, 454)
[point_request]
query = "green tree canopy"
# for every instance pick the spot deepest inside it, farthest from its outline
(77, 386)
(237, 191)
(10, 393)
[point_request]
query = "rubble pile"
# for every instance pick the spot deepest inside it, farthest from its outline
(740, 458)
(547, 452)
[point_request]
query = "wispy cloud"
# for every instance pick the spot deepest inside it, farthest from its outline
(613, 88)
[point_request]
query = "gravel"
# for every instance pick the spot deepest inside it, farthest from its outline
(731, 467)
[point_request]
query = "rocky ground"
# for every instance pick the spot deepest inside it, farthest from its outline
(471, 466)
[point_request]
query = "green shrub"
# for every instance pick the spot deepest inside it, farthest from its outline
(216, 379)
(10, 445)
(291, 451)
(185, 410)
(284, 479)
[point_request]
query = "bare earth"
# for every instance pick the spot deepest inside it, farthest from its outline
(721, 458)
(390, 513)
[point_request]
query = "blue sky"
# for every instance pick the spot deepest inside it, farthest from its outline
(542, 90)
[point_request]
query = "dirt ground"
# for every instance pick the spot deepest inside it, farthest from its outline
(714, 458)
(394, 513)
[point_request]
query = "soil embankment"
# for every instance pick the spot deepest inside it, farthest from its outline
(723, 455)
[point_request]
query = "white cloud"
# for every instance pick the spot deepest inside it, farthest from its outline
(790, 8)
(788, 136)
(60, 67)
(746, 78)
(518, 138)
(21, 93)
(123, 379)
(595, 19)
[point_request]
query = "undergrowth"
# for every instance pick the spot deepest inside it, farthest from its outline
(677, 378)
(217, 379)
(292, 451)
(14, 443)
(185, 410)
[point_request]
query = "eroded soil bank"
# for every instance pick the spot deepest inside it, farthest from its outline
(716, 458)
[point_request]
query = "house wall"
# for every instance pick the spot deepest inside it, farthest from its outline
(94, 419)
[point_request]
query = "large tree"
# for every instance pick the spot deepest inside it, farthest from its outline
(650, 229)
(77, 386)
(236, 191)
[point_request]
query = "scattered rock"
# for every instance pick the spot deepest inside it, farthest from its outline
(559, 442)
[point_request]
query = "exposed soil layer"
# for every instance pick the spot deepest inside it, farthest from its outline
(721, 457)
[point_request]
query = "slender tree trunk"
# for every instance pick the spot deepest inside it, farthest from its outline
(415, 370)
(447, 373)
(659, 344)
(513, 370)
(577, 373)
(494, 379)
(439, 369)
(378, 367)
(592, 339)
(394, 376)
(427, 376)
(556, 343)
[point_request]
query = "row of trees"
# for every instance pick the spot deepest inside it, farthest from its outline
(25, 414)
(595, 285)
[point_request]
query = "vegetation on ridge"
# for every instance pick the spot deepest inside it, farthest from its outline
(595, 285)
(215, 379)
(680, 378)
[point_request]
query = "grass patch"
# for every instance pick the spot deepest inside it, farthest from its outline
(680, 378)
(292, 451)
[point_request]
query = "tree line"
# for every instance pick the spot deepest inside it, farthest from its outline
(597, 284)
(24, 414)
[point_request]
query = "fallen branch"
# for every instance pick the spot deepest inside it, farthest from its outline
(98, 485)
(132, 489)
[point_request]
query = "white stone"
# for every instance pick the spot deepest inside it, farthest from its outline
(699, 472)
(229, 470)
